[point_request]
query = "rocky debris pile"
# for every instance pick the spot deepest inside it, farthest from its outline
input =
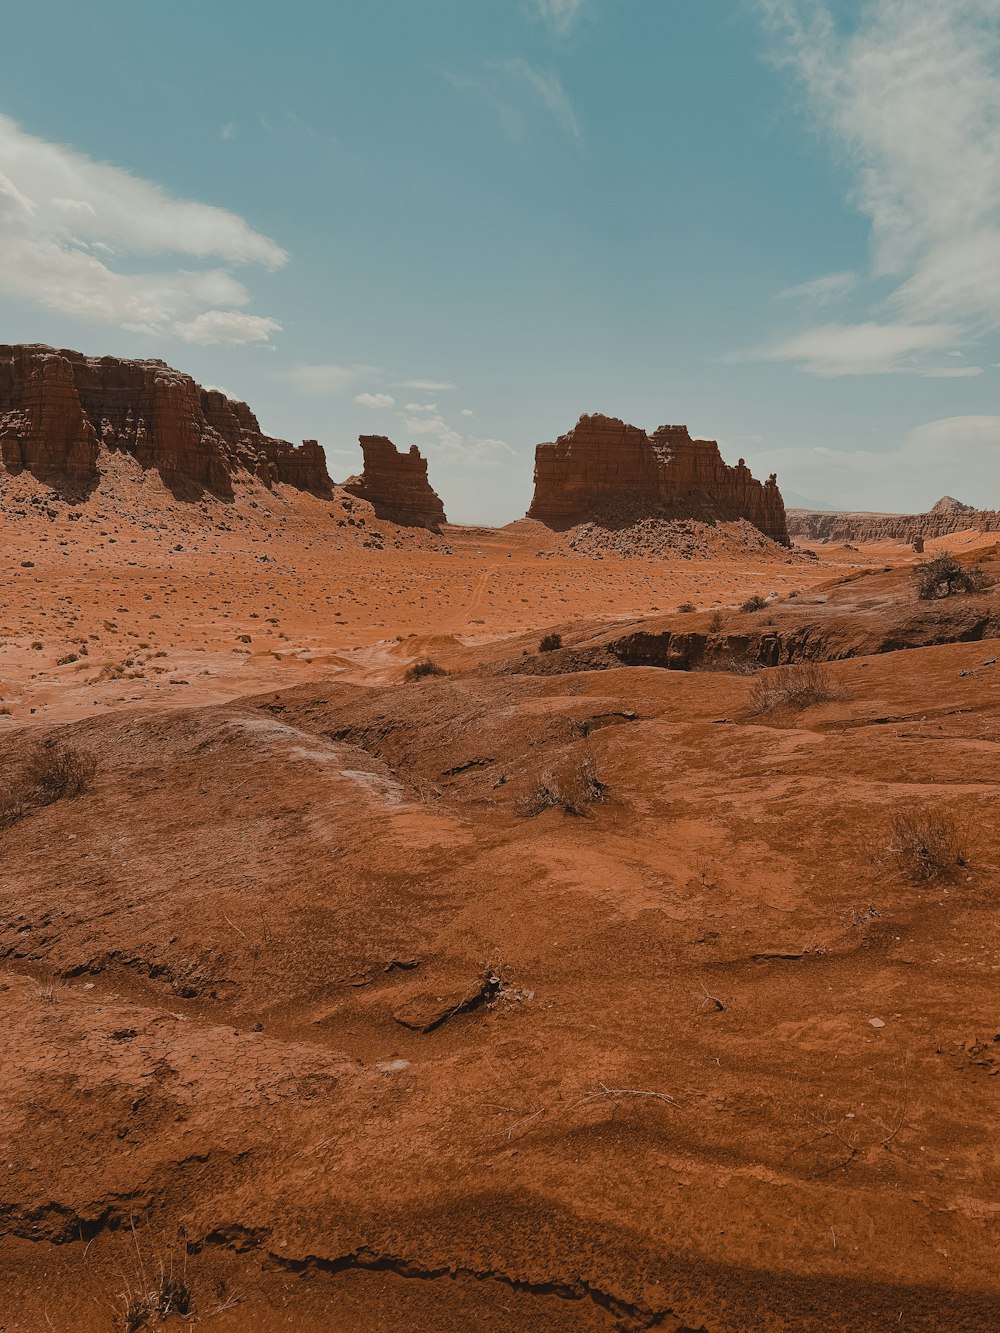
(948, 515)
(396, 486)
(606, 470)
(685, 539)
(59, 410)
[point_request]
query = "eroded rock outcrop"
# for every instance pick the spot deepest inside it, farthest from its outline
(395, 484)
(59, 409)
(606, 470)
(948, 515)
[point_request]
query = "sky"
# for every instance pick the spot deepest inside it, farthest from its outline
(464, 223)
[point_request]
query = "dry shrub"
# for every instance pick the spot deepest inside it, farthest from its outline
(754, 603)
(425, 667)
(794, 688)
(53, 771)
(715, 622)
(550, 643)
(944, 576)
(573, 787)
(928, 846)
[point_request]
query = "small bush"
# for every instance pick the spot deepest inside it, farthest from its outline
(927, 846)
(550, 643)
(794, 687)
(52, 772)
(686, 606)
(754, 603)
(425, 667)
(715, 622)
(944, 576)
(573, 788)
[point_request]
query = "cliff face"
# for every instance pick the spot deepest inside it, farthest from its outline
(948, 515)
(58, 409)
(396, 485)
(603, 468)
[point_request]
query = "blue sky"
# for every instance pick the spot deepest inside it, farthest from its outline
(462, 223)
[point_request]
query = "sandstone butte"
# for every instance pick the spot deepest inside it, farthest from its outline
(605, 469)
(58, 409)
(947, 516)
(396, 486)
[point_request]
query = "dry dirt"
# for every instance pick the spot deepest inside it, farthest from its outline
(320, 1010)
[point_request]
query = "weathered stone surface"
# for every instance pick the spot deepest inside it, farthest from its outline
(604, 469)
(59, 409)
(948, 515)
(396, 484)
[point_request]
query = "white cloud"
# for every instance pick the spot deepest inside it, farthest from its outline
(513, 88)
(230, 130)
(956, 456)
(866, 349)
(428, 386)
(323, 380)
(821, 291)
(375, 401)
(227, 326)
(549, 91)
(910, 97)
(465, 412)
(442, 441)
(64, 215)
(561, 15)
(421, 407)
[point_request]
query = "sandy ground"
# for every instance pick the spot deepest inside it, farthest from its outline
(314, 1011)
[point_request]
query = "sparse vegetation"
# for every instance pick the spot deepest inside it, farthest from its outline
(794, 688)
(686, 607)
(754, 603)
(944, 576)
(425, 667)
(52, 772)
(715, 622)
(550, 643)
(928, 846)
(573, 787)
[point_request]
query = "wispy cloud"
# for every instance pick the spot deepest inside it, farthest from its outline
(866, 349)
(560, 15)
(515, 88)
(428, 386)
(72, 230)
(956, 454)
(821, 291)
(910, 98)
(326, 379)
(441, 440)
(376, 401)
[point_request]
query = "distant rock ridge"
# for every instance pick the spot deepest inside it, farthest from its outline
(59, 409)
(948, 515)
(606, 470)
(395, 485)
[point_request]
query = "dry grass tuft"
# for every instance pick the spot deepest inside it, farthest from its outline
(928, 846)
(572, 787)
(425, 667)
(53, 771)
(794, 688)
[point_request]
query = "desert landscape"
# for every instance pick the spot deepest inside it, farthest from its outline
(581, 924)
(478, 855)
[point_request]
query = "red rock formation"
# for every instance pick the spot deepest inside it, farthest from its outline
(604, 469)
(396, 485)
(948, 515)
(58, 409)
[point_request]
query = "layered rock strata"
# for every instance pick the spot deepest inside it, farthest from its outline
(59, 409)
(606, 470)
(396, 484)
(948, 515)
